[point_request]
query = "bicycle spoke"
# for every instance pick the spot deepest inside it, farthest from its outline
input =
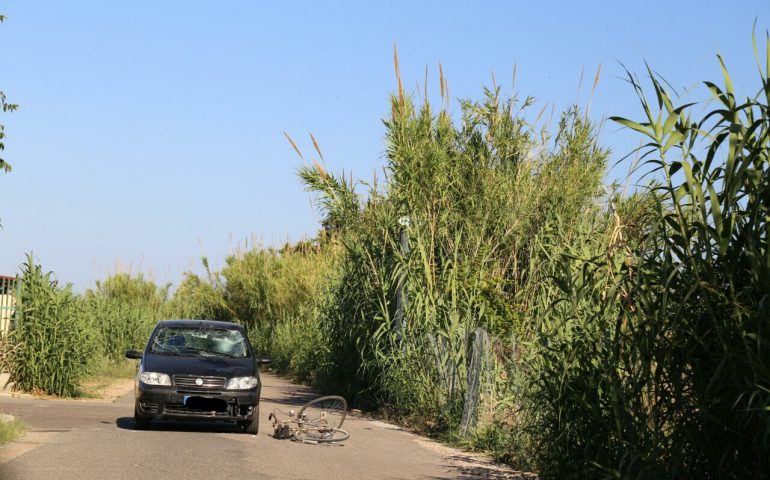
(320, 435)
(324, 412)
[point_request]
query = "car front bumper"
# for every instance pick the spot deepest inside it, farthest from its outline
(157, 402)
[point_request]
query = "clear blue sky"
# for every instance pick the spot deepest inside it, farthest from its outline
(150, 132)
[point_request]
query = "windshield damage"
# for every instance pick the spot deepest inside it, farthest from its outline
(206, 342)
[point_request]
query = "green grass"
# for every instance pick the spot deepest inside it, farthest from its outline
(112, 369)
(10, 430)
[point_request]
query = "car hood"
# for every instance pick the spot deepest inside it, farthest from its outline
(203, 366)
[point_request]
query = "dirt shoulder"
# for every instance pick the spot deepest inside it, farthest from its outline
(95, 389)
(106, 389)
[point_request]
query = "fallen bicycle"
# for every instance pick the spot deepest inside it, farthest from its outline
(318, 421)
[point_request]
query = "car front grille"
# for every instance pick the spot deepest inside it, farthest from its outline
(182, 410)
(189, 382)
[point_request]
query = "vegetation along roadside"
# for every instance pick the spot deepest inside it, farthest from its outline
(10, 428)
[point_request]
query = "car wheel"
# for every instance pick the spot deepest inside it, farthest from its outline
(251, 427)
(140, 423)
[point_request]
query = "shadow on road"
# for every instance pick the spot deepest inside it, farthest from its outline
(294, 397)
(469, 467)
(127, 423)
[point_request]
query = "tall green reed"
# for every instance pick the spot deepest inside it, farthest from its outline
(478, 192)
(652, 361)
(55, 346)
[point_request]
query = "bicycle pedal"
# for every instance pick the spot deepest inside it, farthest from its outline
(282, 430)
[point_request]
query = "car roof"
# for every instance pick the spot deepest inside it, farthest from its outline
(199, 324)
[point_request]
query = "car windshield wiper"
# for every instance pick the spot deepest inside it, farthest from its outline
(170, 353)
(191, 351)
(203, 352)
(213, 353)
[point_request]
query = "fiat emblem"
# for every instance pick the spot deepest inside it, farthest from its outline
(199, 381)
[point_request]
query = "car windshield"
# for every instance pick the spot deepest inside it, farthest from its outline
(196, 341)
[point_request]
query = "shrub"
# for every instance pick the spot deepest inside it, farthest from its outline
(55, 345)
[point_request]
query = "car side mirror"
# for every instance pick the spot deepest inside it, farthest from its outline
(134, 355)
(264, 361)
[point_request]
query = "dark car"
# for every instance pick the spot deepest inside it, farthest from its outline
(198, 370)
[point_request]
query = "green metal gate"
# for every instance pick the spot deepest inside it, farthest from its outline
(9, 293)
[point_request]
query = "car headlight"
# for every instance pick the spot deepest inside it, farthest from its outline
(242, 383)
(154, 378)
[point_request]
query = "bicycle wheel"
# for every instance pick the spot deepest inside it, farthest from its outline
(323, 412)
(320, 435)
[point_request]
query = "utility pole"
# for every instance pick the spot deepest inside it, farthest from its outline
(402, 298)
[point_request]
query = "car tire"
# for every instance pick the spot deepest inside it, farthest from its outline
(140, 423)
(251, 427)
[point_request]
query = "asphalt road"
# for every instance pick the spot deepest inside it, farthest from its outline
(87, 439)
